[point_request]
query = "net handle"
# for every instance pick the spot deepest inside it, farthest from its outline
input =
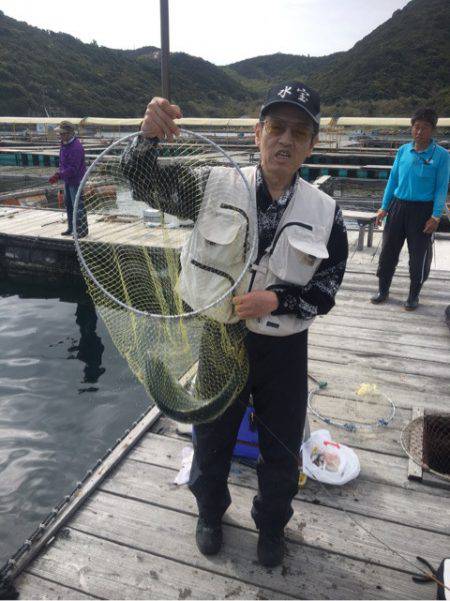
(92, 276)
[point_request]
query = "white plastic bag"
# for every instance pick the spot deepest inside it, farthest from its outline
(187, 455)
(328, 461)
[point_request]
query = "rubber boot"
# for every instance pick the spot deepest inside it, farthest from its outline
(383, 292)
(270, 548)
(208, 537)
(412, 302)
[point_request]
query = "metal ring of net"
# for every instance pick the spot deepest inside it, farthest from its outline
(426, 440)
(367, 410)
(150, 209)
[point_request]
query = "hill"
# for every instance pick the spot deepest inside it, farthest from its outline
(43, 70)
(401, 64)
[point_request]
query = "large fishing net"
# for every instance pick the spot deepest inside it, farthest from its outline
(151, 207)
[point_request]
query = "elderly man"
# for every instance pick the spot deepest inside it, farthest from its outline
(71, 172)
(413, 202)
(277, 310)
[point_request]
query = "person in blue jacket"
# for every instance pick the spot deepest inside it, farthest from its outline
(413, 202)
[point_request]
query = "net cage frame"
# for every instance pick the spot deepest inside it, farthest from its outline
(405, 441)
(86, 268)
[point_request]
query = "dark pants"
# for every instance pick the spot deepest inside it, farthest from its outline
(406, 220)
(278, 382)
(70, 193)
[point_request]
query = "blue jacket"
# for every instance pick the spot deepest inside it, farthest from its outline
(419, 176)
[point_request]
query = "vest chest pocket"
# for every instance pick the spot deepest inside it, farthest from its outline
(222, 237)
(212, 262)
(297, 252)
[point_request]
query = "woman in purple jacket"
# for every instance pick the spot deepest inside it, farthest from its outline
(71, 172)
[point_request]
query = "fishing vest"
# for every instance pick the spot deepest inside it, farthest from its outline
(213, 259)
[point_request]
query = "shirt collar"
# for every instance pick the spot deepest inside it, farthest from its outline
(285, 197)
(429, 148)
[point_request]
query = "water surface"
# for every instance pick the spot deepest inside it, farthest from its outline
(66, 395)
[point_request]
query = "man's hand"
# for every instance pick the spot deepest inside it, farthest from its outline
(159, 120)
(381, 214)
(431, 225)
(255, 304)
(54, 178)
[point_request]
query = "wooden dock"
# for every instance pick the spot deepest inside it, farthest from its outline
(31, 242)
(134, 537)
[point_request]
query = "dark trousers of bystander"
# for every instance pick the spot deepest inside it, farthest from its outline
(278, 384)
(70, 193)
(405, 221)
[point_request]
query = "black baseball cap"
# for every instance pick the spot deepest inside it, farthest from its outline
(297, 94)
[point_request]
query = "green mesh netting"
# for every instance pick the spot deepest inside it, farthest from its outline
(146, 205)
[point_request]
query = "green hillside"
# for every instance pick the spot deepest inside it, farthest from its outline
(45, 70)
(401, 64)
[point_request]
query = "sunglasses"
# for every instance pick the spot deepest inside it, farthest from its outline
(277, 127)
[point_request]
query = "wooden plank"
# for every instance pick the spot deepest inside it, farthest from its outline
(428, 316)
(352, 331)
(361, 496)
(384, 328)
(22, 222)
(170, 533)
(384, 348)
(368, 269)
(429, 309)
(373, 464)
(428, 391)
(314, 525)
(414, 390)
(430, 289)
(28, 223)
(366, 216)
(401, 272)
(344, 377)
(35, 587)
(36, 227)
(363, 360)
(110, 571)
(359, 292)
(415, 471)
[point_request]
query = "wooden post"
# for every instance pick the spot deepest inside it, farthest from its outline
(165, 79)
(415, 471)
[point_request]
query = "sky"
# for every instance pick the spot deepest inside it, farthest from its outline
(220, 31)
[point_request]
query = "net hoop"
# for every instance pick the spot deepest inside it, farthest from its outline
(352, 426)
(193, 313)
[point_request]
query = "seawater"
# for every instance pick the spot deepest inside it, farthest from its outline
(66, 395)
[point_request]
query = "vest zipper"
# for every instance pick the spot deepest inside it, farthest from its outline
(245, 216)
(223, 274)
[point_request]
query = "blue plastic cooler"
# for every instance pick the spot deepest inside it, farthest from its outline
(247, 439)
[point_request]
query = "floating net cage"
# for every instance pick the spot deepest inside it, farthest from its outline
(365, 409)
(358, 194)
(146, 209)
(426, 440)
